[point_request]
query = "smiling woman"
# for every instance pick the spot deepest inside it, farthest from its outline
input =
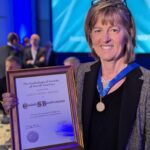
(109, 109)
(108, 41)
(108, 25)
(113, 115)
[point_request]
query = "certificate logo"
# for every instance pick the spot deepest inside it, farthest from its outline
(32, 136)
(25, 105)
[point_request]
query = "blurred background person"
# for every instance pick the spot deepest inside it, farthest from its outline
(50, 54)
(34, 56)
(72, 61)
(11, 63)
(26, 42)
(12, 48)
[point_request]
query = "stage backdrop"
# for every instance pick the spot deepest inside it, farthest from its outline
(68, 24)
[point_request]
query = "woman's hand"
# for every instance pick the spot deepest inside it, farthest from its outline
(9, 101)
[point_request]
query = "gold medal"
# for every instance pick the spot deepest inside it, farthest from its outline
(100, 106)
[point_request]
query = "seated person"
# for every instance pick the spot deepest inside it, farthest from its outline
(34, 56)
(26, 42)
(50, 54)
(11, 63)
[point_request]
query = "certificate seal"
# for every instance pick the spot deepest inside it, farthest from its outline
(32, 136)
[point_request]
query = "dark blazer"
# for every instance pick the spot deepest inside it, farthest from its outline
(3, 89)
(6, 51)
(52, 59)
(28, 56)
(133, 115)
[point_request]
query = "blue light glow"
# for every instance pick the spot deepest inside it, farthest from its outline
(68, 25)
(22, 17)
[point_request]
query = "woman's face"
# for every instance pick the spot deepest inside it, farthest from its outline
(108, 41)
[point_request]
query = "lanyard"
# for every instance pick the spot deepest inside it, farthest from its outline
(103, 91)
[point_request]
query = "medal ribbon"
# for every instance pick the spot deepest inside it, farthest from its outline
(103, 91)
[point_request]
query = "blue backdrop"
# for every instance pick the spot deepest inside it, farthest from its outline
(141, 12)
(68, 29)
(68, 24)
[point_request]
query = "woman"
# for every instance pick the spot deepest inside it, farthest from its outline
(113, 92)
(115, 112)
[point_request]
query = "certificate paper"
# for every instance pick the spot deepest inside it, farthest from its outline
(44, 111)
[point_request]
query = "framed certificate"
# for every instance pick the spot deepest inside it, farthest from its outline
(45, 117)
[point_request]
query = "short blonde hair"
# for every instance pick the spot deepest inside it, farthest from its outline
(112, 11)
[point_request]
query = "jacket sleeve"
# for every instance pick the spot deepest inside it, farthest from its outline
(41, 53)
(147, 123)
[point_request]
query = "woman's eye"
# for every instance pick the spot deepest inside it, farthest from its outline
(96, 30)
(115, 30)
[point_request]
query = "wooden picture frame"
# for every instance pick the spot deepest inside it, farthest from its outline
(45, 117)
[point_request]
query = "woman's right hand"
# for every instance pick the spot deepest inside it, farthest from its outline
(9, 101)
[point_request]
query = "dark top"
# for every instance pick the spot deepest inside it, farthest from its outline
(6, 51)
(104, 125)
(3, 89)
(28, 56)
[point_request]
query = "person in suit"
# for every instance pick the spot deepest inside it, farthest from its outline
(10, 49)
(11, 63)
(113, 91)
(34, 56)
(26, 42)
(50, 54)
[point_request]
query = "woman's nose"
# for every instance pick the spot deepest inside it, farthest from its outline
(106, 37)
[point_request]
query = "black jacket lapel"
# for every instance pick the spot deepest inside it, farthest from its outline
(90, 82)
(130, 100)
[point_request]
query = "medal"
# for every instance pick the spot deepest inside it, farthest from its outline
(100, 106)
